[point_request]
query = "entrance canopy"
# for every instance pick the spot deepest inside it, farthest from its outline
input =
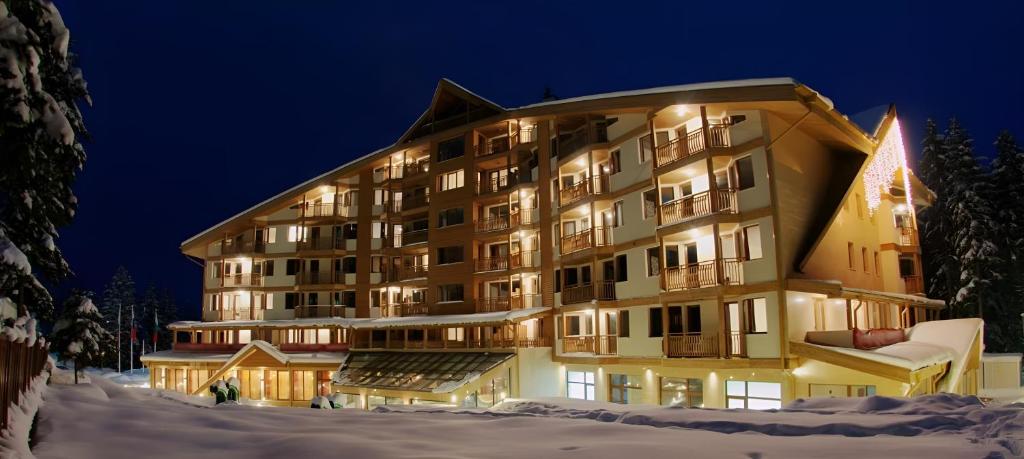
(435, 372)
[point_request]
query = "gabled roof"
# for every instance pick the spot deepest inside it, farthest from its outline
(451, 106)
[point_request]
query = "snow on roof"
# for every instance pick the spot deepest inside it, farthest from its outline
(902, 296)
(478, 96)
(907, 354)
(185, 356)
(283, 357)
(368, 324)
(675, 88)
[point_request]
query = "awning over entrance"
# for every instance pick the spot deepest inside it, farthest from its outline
(436, 372)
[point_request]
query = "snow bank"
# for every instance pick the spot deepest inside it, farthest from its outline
(163, 426)
(14, 440)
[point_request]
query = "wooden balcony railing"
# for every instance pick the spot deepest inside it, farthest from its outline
(906, 236)
(497, 145)
(414, 169)
(600, 345)
(495, 263)
(693, 143)
(588, 238)
(528, 133)
(693, 345)
(524, 259)
(409, 308)
(243, 280)
(320, 278)
(208, 347)
(526, 216)
(409, 202)
(414, 271)
(234, 248)
(698, 205)
(319, 310)
(595, 185)
(240, 314)
(320, 210)
(414, 237)
(600, 290)
(503, 182)
(507, 303)
(322, 243)
(704, 274)
(914, 284)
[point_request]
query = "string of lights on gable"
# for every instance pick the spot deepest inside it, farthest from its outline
(890, 158)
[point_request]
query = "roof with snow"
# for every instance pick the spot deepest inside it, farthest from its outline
(448, 320)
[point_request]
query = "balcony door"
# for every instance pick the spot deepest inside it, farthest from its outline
(498, 290)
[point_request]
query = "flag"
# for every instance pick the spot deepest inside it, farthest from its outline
(156, 328)
(134, 334)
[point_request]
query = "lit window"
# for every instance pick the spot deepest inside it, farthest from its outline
(752, 242)
(753, 395)
(271, 235)
(757, 315)
(580, 385)
(686, 392)
(452, 180)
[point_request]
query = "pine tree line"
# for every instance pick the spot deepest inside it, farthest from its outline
(153, 311)
(972, 244)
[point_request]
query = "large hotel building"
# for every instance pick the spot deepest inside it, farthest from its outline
(675, 245)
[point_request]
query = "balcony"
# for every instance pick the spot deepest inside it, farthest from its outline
(599, 345)
(600, 290)
(504, 182)
(319, 278)
(728, 271)
(527, 216)
(586, 239)
(319, 210)
(321, 243)
(507, 303)
(408, 308)
(495, 263)
(591, 186)
(413, 237)
(243, 280)
(694, 142)
(581, 137)
(495, 223)
(238, 314)
(226, 348)
(415, 169)
(914, 284)
(524, 259)
(693, 345)
(235, 248)
(906, 236)
(497, 145)
(414, 272)
(321, 310)
(698, 205)
(410, 202)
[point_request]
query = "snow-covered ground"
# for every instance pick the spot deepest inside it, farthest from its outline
(104, 419)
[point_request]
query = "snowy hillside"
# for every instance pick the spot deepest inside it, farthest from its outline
(132, 421)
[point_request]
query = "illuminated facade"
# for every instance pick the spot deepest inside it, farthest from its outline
(670, 245)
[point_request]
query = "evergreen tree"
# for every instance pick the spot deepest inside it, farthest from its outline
(167, 312)
(118, 299)
(939, 263)
(1008, 179)
(79, 335)
(40, 129)
(144, 314)
(972, 218)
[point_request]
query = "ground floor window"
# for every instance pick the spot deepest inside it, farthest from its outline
(841, 390)
(753, 395)
(580, 385)
(688, 392)
(622, 388)
(380, 400)
(493, 391)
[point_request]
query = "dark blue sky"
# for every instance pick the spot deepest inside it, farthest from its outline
(203, 108)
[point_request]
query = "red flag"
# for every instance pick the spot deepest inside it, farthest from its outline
(135, 334)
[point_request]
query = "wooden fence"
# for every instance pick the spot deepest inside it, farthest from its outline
(19, 365)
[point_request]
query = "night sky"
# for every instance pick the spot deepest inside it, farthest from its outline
(204, 108)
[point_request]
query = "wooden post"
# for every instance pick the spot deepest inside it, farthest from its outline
(850, 322)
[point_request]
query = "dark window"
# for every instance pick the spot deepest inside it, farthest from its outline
(415, 225)
(621, 269)
(268, 268)
(348, 298)
(693, 319)
(608, 268)
(675, 319)
(313, 298)
(616, 162)
(571, 277)
(348, 265)
(451, 148)
(449, 217)
(558, 280)
(290, 300)
(653, 261)
(624, 324)
(350, 231)
(907, 267)
(745, 173)
(450, 292)
(650, 198)
(291, 267)
(451, 254)
(655, 328)
(585, 275)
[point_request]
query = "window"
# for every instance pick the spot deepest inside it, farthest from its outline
(616, 162)
(291, 267)
(617, 215)
(757, 315)
(294, 233)
(449, 292)
(313, 298)
(907, 267)
(752, 242)
(650, 202)
(619, 387)
(580, 385)
(348, 265)
(878, 265)
(558, 280)
(646, 149)
(572, 326)
(624, 324)
(451, 180)
(268, 268)
(450, 149)
(688, 392)
(446, 255)
(621, 268)
(745, 173)
(350, 231)
(753, 395)
(864, 258)
(271, 235)
(377, 264)
(653, 261)
(380, 196)
(849, 255)
(215, 270)
(449, 217)
(290, 299)
(655, 329)
(378, 230)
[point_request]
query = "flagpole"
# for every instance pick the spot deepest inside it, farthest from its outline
(131, 345)
(118, 337)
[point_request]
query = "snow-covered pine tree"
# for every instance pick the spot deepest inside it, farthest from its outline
(168, 313)
(144, 314)
(79, 335)
(941, 270)
(1008, 179)
(40, 129)
(118, 295)
(972, 218)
